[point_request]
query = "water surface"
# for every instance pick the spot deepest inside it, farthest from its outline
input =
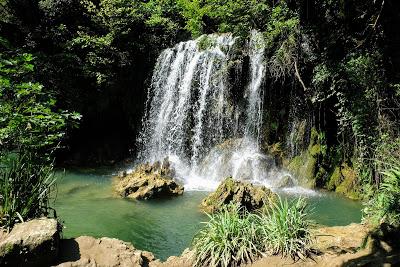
(87, 205)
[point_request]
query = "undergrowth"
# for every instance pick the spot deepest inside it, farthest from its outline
(25, 188)
(234, 236)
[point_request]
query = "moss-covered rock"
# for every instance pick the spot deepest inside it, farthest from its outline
(315, 167)
(344, 180)
(242, 193)
(305, 166)
(148, 181)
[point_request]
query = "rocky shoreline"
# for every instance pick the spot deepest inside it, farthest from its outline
(38, 243)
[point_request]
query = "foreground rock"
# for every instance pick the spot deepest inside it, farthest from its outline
(149, 181)
(351, 245)
(185, 260)
(33, 243)
(334, 246)
(86, 251)
(242, 193)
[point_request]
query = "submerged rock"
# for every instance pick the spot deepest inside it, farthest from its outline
(89, 251)
(149, 181)
(244, 194)
(33, 243)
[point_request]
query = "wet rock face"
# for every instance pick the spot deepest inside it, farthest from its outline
(242, 193)
(149, 181)
(33, 243)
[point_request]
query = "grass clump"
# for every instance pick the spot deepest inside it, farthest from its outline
(25, 188)
(234, 236)
(230, 238)
(285, 229)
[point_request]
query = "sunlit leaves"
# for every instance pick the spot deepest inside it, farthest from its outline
(29, 118)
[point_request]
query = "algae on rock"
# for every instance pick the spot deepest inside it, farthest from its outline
(344, 181)
(305, 166)
(315, 167)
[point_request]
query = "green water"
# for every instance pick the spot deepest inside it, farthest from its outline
(87, 205)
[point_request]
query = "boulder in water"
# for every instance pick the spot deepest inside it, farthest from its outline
(149, 181)
(245, 194)
(285, 181)
(33, 243)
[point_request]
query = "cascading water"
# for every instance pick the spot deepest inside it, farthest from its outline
(255, 94)
(188, 108)
(193, 120)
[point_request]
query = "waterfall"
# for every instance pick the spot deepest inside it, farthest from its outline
(188, 108)
(255, 92)
(192, 118)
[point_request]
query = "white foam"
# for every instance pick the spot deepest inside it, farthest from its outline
(301, 191)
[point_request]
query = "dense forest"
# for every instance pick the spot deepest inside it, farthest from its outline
(74, 79)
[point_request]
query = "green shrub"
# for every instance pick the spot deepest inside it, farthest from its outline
(382, 188)
(25, 188)
(384, 205)
(234, 236)
(285, 228)
(230, 238)
(206, 42)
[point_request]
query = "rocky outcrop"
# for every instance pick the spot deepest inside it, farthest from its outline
(185, 260)
(242, 193)
(86, 251)
(350, 245)
(149, 181)
(33, 243)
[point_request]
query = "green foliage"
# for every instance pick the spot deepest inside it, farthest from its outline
(285, 229)
(29, 120)
(382, 202)
(237, 17)
(193, 14)
(282, 25)
(281, 36)
(384, 205)
(234, 236)
(25, 188)
(31, 128)
(357, 84)
(206, 42)
(350, 77)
